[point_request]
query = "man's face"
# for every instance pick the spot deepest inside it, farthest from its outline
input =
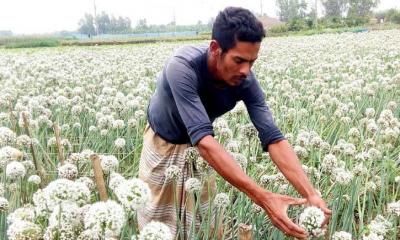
(234, 65)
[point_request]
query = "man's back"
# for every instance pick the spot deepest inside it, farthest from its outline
(188, 98)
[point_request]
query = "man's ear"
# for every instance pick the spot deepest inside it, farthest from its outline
(215, 49)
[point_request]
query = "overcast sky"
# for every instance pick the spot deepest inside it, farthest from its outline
(44, 16)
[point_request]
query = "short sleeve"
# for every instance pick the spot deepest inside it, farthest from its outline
(260, 115)
(183, 82)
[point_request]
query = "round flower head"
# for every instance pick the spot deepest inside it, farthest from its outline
(394, 207)
(89, 235)
(66, 190)
(88, 182)
(311, 220)
(133, 194)
(24, 141)
(109, 163)
(380, 225)
(8, 154)
(7, 136)
(119, 143)
(68, 171)
(202, 165)
(105, 217)
(329, 162)
(155, 231)
(3, 204)
(342, 176)
(35, 179)
(65, 216)
(192, 185)
(240, 159)
(15, 170)
(40, 202)
(248, 131)
(26, 213)
(373, 236)
(115, 180)
(221, 200)
(191, 154)
(173, 173)
(20, 230)
(341, 236)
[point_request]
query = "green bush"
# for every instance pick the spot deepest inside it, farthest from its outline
(297, 24)
(31, 43)
(282, 28)
(395, 17)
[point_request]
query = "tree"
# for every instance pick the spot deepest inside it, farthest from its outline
(142, 25)
(335, 8)
(86, 25)
(361, 8)
(103, 23)
(291, 9)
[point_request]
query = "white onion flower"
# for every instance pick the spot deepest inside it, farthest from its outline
(26, 213)
(109, 163)
(68, 171)
(172, 173)
(8, 154)
(7, 136)
(66, 190)
(193, 185)
(119, 143)
(155, 231)
(191, 154)
(311, 220)
(394, 207)
(115, 180)
(105, 217)
(3, 204)
(221, 200)
(35, 179)
(15, 170)
(21, 230)
(342, 235)
(133, 194)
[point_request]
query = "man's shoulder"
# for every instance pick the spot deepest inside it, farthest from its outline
(191, 53)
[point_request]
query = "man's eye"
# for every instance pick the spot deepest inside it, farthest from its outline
(238, 61)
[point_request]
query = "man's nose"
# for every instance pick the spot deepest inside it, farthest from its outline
(245, 69)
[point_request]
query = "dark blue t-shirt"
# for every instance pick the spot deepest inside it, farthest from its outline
(187, 100)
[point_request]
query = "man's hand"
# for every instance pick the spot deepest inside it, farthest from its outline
(276, 206)
(317, 201)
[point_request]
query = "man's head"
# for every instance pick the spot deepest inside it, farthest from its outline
(236, 40)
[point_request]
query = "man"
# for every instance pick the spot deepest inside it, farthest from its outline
(197, 85)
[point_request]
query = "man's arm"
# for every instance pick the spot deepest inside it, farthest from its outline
(275, 205)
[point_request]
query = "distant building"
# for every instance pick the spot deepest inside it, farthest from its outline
(269, 22)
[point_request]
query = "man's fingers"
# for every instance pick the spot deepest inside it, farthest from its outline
(326, 220)
(290, 230)
(298, 201)
(326, 210)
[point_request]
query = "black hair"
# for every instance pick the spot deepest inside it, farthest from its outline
(236, 24)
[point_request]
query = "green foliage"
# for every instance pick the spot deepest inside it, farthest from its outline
(361, 8)
(335, 8)
(32, 43)
(391, 15)
(291, 9)
(279, 29)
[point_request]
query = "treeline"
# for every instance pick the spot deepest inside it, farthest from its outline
(105, 24)
(337, 13)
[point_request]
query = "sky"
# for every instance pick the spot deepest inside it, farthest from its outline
(46, 16)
